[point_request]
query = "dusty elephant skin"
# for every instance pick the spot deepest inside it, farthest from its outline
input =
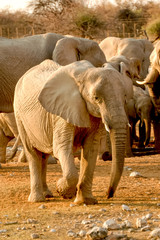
(58, 109)
(19, 55)
(152, 81)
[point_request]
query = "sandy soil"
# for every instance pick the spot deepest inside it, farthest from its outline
(21, 218)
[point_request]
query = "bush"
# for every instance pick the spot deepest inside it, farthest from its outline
(153, 29)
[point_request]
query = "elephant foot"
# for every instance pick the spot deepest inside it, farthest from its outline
(65, 189)
(48, 194)
(35, 197)
(110, 192)
(87, 201)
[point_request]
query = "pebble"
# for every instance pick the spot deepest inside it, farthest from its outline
(155, 233)
(135, 174)
(82, 233)
(141, 222)
(34, 235)
(42, 206)
(111, 224)
(70, 233)
(3, 230)
(97, 233)
(53, 230)
(125, 208)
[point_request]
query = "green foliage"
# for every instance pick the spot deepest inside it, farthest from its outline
(153, 28)
(88, 23)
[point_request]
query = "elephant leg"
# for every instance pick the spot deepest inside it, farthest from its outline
(3, 145)
(66, 186)
(35, 165)
(46, 192)
(156, 128)
(87, 166)
(128, 147)
(63, 150)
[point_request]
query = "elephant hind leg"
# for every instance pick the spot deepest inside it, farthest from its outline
(34, 158)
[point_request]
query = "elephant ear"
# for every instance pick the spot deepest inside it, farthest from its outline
(66, 51)
(61, 96)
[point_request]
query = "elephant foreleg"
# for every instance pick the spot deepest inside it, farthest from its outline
(87, 166)
(46, 192)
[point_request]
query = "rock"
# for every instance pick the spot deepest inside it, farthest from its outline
(70, 233)
(53, 230)
(102, 210)
(82, 233)
(155, 233)
(3, 230)
(117, 236)
(86, 222)
(111, 224)
(148, 216)
(135, 174)
(141, 222)
(42, 206)
(125, 208)
(145, 228)
(34, 235)
(97, 233)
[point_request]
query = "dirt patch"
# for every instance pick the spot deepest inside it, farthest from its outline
(20, 219)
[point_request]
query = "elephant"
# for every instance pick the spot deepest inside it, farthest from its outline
(140, 109)
(59, 109)
(152, 82)
(8, 131)
(19, 55)
(139, 49)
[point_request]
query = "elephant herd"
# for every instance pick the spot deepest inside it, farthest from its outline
(63, 94)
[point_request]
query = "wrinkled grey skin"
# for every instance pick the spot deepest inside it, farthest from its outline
(141, 109)
(19, 55)
(8, 131)
(152, 82)
(59, 109)
(139, 49)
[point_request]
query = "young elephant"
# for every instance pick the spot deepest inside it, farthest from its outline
(140, 108)
(61, 108)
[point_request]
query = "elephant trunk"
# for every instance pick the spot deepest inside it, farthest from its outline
(118, 141)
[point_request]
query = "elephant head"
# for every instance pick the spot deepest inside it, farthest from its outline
(80, 91)
(73, 49)
(139, 49)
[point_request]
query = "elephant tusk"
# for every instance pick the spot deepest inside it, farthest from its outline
(106, 127)
(129, 125)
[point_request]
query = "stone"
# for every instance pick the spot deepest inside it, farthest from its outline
(135, 174)
(155, 233)
(111, 224)
(125, 208)
(34, 235)
(97, 233)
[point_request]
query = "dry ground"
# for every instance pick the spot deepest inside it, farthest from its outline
(142, 195)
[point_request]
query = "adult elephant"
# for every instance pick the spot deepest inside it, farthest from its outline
(152, 81)
(19, 55)
(61, 108)
(137, 49)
